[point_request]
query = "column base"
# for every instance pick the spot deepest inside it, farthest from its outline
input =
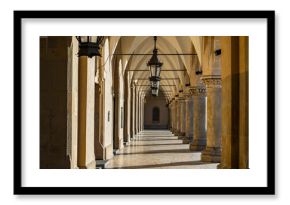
(126, 143)
(185, 140)
(121, 144)
(197, 145)
(181, 135)
(91, 165)
(175, 132)
(188, 138)
(104, 153)
(222, 166)
(101, 164)
(211, 154)
(127, 139)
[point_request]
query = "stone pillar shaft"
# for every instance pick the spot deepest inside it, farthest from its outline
(127, 117)
(86, 103)
(182, 116)
(172, 114)
(188, 119)
(140, 114)
(177, 121)
(199, 118)
(132, 112)
(212, 152)
(234, 62)
(82, 110)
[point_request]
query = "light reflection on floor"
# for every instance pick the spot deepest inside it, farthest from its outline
(158, 149)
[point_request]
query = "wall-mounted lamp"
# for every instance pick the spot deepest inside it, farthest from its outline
(89, 45)
(218, 52)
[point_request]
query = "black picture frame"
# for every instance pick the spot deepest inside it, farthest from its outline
(268, 190)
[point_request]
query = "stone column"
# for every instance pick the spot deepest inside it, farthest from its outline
(173, 116)
(127, 116)
(132, 112)
(199, 118)
(212, 153)
(188, 119)
(142, 108)
(234, 62)
(86, 155)
(136, 112)
(177, 121)
(140, 111)
(82, 110)
(182, 116)
(170, 117)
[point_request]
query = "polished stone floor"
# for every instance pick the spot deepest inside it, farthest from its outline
(157, 149)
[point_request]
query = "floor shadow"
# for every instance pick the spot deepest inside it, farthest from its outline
(133, 145)
(161, 136)
(161, 151)
(144, 140)
(163, 165)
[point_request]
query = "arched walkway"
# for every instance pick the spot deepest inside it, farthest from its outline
(97, 109)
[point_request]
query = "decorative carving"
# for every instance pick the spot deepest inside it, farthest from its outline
(180, 98)
(197, 91)
(212, 81)
(187, 96)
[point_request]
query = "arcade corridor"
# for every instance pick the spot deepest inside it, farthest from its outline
(144, 102)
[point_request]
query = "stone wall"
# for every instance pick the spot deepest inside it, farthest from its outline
(152, 102)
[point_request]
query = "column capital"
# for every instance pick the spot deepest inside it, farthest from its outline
(197, 90)
(187, 94)
(181, 98)
(212, 81)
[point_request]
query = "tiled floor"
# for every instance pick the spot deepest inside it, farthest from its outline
(158, 149)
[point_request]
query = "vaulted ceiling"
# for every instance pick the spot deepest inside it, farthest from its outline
(171, 81)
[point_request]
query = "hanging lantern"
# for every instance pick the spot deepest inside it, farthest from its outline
(154, 91)
(155, 84)
(155, 67)
(89, 45)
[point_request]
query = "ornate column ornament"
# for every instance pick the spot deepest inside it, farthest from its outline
(212, 81)
(180, 96)
(197, 91)
(187, 94)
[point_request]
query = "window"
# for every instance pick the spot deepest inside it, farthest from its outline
(155, 114)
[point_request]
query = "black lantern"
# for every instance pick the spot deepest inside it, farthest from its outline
(89, 45)
(154, 91)
(155, 67)
(155, 84)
